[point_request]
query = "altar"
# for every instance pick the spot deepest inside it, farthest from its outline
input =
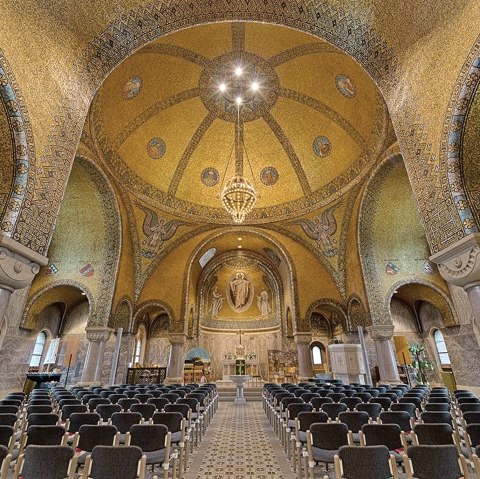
(228, 368)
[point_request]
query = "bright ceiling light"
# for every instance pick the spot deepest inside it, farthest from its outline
(239, 100)
(239, 239)
(239, 246)
(255, 86)
(238, 71)
(222, 87)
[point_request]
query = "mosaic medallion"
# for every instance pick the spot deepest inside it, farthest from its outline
(156, 148)
(230, 76)
(269, 176)
(345, 86)
(210, 177)
(322, 146)
(132, 87)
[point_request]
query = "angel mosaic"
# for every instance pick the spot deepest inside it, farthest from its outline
(157, 230)
(321, 229)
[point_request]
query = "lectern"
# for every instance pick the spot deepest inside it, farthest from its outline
(39, 381)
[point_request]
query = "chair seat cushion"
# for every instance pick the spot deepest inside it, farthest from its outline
(323, 455)
(155, 457)
(291, 423)
(302, 436)
(176, 436)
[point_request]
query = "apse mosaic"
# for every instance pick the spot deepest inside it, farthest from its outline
(269, 176)
(210, 176)
(322, 146)
(156, 148)
(345, 86)
(132, 87)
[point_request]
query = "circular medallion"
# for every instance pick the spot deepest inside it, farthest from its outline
(132, 87)
(345, 86)
(210, 176)
(322, 146)
(269, 176)
(156, 148)
(236, 75)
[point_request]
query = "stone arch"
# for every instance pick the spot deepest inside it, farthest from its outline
(430, 293)
(23, 148)
(148, 306)
(122, 318)
(349, 32)
(331, 305)
(356, 314)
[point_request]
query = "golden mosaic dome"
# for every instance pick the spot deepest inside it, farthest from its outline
(312, 121)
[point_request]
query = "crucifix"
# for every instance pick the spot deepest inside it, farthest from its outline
(240, 333)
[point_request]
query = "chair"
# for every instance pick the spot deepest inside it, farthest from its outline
(127, 403)
(78, 419)
(411, 399)
(159, 403)
(39, 409)
(109, 461)
(407, 407)
(317, 403)
(385, 402)
(46, 462)
(45, 436)
(355, 421)
(7, 437)
(436, 407)
(95, 402)
(175, 424)
(472, 438)
(154, 441)
(106, 410)
(114, 398)
(43, 419)
(435, 462)
(90, 436)
(143, 398)
(146, 410)
(172, 397)
(123, 421)
(336, 397)
(367, 462)
(8, 420)
(70, 409)
(333, 410)
(323, 442)
(402, 418)
(389, 435)
(436, 417)
(5, 460)
(69, 401)
(351, 402)
(372, 409)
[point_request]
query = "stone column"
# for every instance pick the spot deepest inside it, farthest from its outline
(459, 264)
(176, 361)
(92, 369)
(387, 363)
(18, 267)
(305, 367)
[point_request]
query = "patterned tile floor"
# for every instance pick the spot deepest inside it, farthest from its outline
(240, 444)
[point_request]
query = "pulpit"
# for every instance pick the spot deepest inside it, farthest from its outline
(39, 381)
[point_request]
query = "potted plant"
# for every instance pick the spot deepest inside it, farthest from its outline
(420, 362)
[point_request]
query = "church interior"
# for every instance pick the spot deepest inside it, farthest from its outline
(260, 219)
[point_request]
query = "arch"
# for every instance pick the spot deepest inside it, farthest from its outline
(432, 294)
(356, 314)
(441, 348)
(122, 318)
(23, 148)
(149, 306)
(319, 354)
(452, 138)
(140, 345)
(329, 305)
(70, 293)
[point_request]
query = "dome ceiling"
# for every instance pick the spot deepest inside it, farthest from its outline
(311, 131)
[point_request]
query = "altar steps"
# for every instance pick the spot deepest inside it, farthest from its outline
(226, 391)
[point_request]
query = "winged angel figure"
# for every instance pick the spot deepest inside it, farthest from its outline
(157, 230)
(321, 229)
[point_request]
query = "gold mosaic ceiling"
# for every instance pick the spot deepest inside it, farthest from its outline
(313, 129)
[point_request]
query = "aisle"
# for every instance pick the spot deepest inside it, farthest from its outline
(240, 444)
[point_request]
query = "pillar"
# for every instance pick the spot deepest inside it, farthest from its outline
(305, 367)
(459, 264)
(92, 369)
(176, 361)
(387, 364)
(18, 266)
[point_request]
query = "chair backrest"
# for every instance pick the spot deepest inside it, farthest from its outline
(368, 462)
(407, 407)
(173, 420)
(109, 461)
(45, 435)
(293, 410)
(192, 403)
(373, 409)
(146, 410)
(411, 399)
(78, 419)
(354, 419)
(336, 396)
(123, 421)
(351, 402)
(307, 396)
(93, 435)
(114, 398)
(6, 432)
(149, 437)
(290, 400)
(383, 434)
(172, 397)
(437, 417)
(473, 430)
(439, 399)
(8, 419)
(43, 419)
(306, 419)
(317, 403)
(330, 436)
(46, 462)
(106, 410)
(36, 402)
(472, 417)
(333, 410)
(383, 401)
(436, 406)
(402, 418)
(69, 401)
(70, 409)
(127, 403)
(159, 403)
(433, 434)
(468, 400)
(143, 398)
(434, 462)
(36, 409)
(183, 409)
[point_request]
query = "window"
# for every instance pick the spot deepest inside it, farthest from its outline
(138, 351)
(441, 348)
(38, 350)
(317, 353)
(207, 256)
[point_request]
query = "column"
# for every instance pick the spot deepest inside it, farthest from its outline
(18, 267)
(459, 264)
(92, 369)
(176, 361)
(387, 363)
(305, 367)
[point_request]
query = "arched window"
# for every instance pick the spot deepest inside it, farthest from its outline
(38, 349)
(207, 256)
(140, 342)
(317, 354)
(441, 348)
(138, 351)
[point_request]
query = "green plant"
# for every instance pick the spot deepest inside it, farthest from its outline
(420, 361)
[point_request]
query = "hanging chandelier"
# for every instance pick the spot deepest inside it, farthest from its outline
(239, 195)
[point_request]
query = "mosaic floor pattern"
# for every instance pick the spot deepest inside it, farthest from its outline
(240, 444)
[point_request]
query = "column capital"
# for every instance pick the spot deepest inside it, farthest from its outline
(98, 333)
(18, 264)
(302, 338)
(381, 332)
(459, 263)
(177, 338)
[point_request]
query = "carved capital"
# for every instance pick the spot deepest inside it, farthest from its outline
(18, 264)
(98, 333)
(303, 338)
(380, 332)
(459, 263)
(177, 339)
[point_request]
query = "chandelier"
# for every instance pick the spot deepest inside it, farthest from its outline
(239, 195)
